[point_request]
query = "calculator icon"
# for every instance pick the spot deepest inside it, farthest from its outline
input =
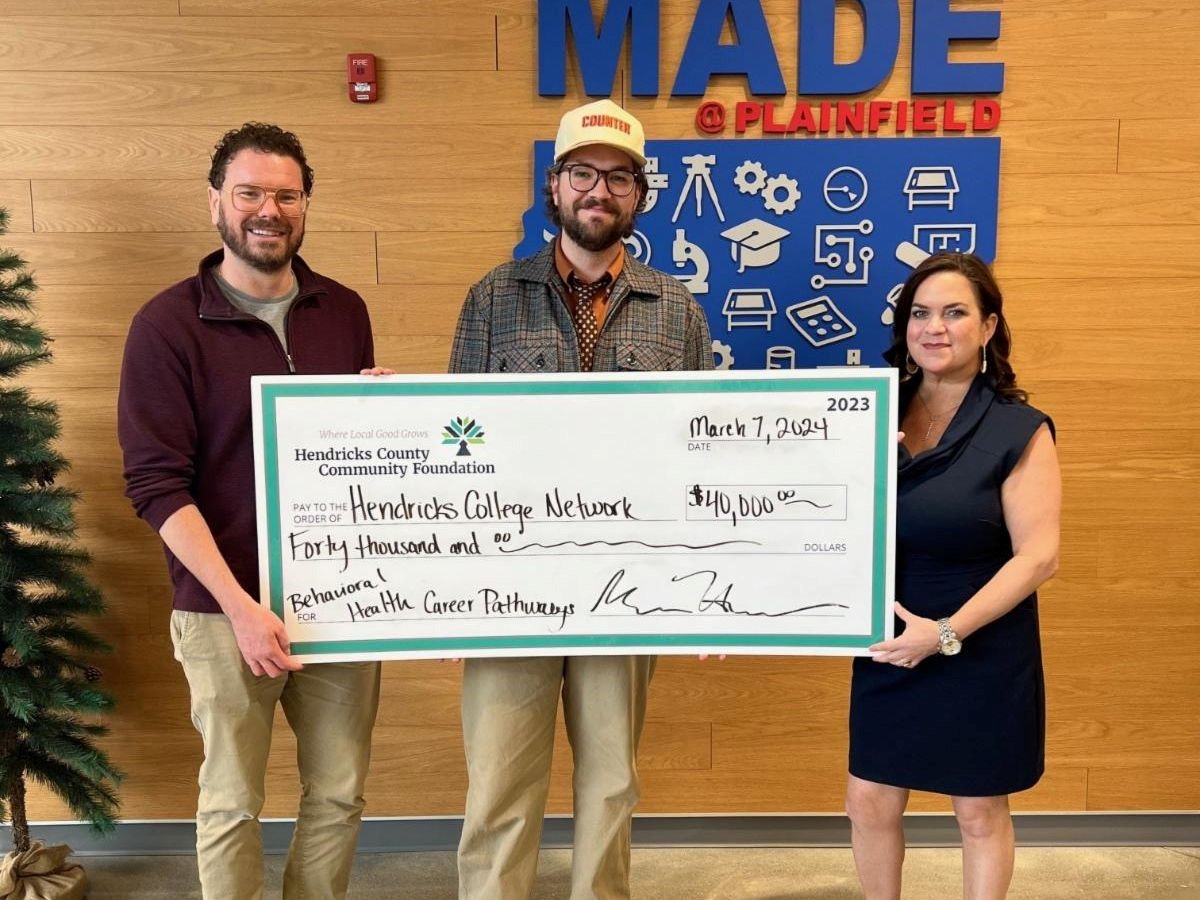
(820, 321)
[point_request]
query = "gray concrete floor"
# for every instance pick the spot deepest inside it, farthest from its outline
(1042, 873)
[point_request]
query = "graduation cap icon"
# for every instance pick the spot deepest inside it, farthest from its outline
(754, 243)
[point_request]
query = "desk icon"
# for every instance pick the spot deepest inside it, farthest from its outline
(931, 186)
(749, 307)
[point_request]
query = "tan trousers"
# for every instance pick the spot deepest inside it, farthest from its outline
(509, 708)
(330, 707)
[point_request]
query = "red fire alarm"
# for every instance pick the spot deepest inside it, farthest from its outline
(360, 77)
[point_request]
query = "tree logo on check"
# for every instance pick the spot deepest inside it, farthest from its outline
(463, 431)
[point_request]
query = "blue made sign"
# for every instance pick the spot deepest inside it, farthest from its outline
(797, 249)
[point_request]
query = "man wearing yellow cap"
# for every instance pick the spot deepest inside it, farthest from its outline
(581, 304)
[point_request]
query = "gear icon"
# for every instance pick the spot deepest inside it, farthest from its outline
(750, 177)
(772, 200)
(723, 355)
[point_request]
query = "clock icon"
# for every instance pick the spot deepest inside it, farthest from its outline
(845, 189)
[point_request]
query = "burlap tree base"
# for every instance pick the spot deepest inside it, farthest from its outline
(42, 873)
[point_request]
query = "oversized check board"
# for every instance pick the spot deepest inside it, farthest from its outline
(501, 515)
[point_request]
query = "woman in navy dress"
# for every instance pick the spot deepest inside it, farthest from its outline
(955, 703)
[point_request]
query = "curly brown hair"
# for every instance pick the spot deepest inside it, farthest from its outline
(264, 138)
(991, 302)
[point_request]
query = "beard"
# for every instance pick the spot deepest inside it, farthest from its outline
(596, 236)
(268, 260)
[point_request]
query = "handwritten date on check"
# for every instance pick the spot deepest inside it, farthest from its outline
(412, 517)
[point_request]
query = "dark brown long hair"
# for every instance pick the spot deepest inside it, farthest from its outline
(991, 302)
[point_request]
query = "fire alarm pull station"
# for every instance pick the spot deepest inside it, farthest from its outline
(360, 75)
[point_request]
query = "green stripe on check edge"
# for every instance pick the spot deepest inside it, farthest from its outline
(274, 530)
(879, 386)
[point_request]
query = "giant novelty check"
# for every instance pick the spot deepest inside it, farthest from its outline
(502, 515)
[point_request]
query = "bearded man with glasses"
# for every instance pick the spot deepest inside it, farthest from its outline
(184, 421)
(581, 304)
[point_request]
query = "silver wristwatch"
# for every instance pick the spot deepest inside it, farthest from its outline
(948, 642)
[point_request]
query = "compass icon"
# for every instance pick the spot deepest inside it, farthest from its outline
(845, 189)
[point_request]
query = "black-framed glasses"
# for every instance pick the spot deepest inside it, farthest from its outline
(251, 198)
(583, 178)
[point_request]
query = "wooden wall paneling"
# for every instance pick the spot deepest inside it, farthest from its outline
(275, 44)
(15, 198)
(1073, 351)
(1160, 456)
(85, 151)
(421, 693)
(1109, 199)
(1144, 787)
(320, 8)
(438, 257)
(411, 153)
(1163, 545)
(416, 203)
(159, 260)
(1100, 252)
(66, 8)
(91, 309)
(1161, 146)
(1069, 148)
(1078, 404)
(752, 689)
(296, 99)
(1127, 602)
(423, 354)
(430, 309)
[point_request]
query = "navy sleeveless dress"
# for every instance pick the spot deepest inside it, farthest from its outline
(974, 724)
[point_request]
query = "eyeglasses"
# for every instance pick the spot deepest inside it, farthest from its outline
(583, 178)
(251, 198)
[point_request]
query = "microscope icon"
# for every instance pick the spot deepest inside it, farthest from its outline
(699, 180)
(684, 251)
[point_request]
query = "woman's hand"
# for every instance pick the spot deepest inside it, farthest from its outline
(919, 641)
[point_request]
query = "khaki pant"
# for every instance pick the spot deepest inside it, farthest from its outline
(330, 707)
(509, 708)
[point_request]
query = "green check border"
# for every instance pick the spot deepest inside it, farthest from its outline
(877, 387)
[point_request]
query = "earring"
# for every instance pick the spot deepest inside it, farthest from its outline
(909, 366)
(983, 356)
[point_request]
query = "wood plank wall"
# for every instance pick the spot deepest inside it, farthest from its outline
(108, 109)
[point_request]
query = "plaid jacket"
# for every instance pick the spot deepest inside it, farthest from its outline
(514, 320)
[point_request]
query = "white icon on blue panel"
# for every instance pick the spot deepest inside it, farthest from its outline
(845, 189)
(749, 307)
(750, 177)
(945, 238)
(931, 186)
(837, 247)
(780, 193)
(683, 252)
(722, 355)
(699, 181)
(638, 246)
(781, 357)
(820, 322)
(754, 243)
(655, 181)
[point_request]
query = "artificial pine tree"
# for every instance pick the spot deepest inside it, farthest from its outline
(47, 686)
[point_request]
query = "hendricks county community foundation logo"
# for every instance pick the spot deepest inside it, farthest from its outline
(464, 432)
